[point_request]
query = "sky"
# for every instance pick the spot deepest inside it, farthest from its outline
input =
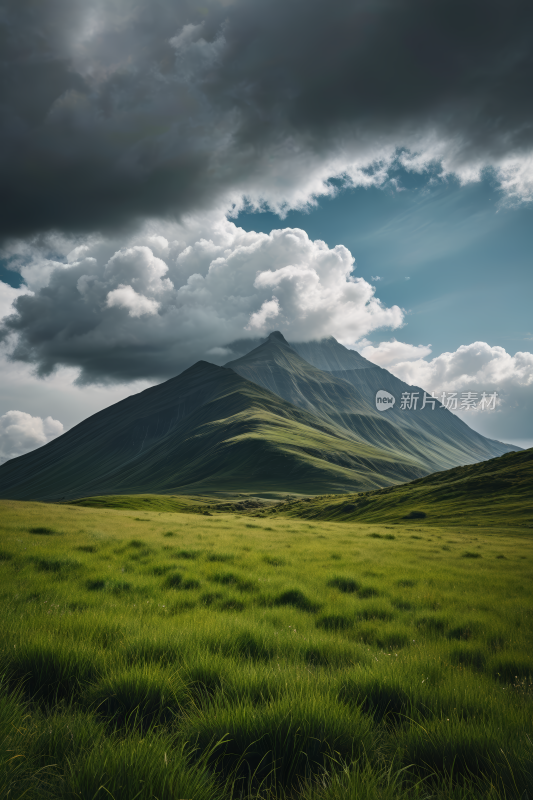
(179, 176)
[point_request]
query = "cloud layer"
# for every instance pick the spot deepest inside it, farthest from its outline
(20, 433)
(113, 112)
(386, 354)
(150, 306)
(476, 368)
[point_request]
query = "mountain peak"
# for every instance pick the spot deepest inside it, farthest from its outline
(277, 336)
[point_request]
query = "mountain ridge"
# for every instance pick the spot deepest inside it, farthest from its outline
(268, 422)
(436, 437)
(205, 429)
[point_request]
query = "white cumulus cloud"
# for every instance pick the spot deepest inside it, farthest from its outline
(475, 368)
(137, 304)
(386, 354)
(477, 363)
(268, 311)
(20, 433)
(188, 289)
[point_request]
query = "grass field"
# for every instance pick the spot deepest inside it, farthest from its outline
(150, 654)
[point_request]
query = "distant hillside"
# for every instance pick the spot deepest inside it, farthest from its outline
(496, 492)
(206, 430)
(435, 438)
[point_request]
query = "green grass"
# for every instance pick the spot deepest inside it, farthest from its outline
(297, 658)
(145, 502)
(494, 493)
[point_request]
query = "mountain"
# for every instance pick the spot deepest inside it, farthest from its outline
(368, 378)
(206, 430)
(268, 422)
(325, 354)
(434, 437)
(495, 492)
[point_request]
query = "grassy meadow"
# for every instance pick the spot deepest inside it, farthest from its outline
(148, 653)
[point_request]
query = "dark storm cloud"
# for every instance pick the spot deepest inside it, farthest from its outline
(115, 111)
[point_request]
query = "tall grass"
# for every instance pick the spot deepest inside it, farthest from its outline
(230, 662)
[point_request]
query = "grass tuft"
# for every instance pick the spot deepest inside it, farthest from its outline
(140, 696)
(188, 555)
(44, 531)
(113, 586)
(335, 622)
(346, 585)
(61, 566)
(296, 598)
(231, 579)
(281, 743)
(274, 561)
(220, 557)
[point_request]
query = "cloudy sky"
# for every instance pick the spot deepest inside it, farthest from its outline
(176, 176)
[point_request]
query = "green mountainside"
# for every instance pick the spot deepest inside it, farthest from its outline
(497, 492)
(207, 430)
(435, 438)
(267, 423)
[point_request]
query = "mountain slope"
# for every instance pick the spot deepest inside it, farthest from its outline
(206, 430)
(495, 492)
(329, 355)
(276, 366)
(325, 354)
(437, 439)
(431, 421)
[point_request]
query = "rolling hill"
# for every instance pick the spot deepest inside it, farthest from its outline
(493, 493)
(207, 430)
